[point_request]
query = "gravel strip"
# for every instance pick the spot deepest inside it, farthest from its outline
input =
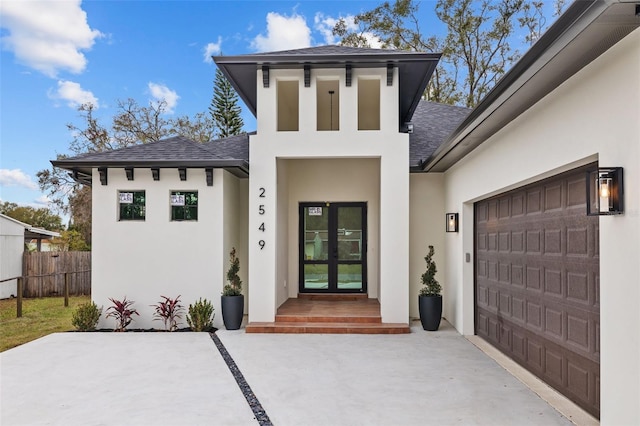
(252, 400)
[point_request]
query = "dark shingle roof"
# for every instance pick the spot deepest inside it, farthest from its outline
(335, 50)
(232, 147)
(175, 148)
(432, 123)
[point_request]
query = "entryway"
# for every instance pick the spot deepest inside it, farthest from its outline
(333, 247)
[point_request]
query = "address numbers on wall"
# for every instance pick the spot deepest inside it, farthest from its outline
(261, 212)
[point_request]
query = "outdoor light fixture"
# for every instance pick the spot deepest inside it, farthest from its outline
(605, 191)
(452, 222)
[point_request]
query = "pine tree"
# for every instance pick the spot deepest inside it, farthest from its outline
(224, 108)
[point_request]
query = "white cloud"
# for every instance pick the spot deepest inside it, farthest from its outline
(48, 36)
(212, 49)
(324, 25)
(160, 92)
(16, 177)
(73, 94)
(283, 32)
(42, 201)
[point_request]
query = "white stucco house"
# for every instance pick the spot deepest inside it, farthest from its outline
(351, 175)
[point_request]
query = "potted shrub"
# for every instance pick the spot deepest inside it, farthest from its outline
(430, 299)
(232, 298)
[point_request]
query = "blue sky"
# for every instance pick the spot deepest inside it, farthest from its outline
(58, 54)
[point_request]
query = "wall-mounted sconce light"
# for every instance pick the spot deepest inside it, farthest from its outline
(452, 222)
(605, 191)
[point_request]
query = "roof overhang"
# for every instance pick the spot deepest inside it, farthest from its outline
(414, 71)
(81, 172)
(584, 32)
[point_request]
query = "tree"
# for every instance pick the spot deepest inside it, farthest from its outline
(224, 108)
(476, 50)
(40, 218)
(71, 240)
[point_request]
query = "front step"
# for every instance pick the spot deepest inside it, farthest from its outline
(326, 328)
(329, 313)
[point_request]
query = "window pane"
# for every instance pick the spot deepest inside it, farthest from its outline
(184, 205)
(316, 277)
(316, 235)
(350, 277)
(132, 205)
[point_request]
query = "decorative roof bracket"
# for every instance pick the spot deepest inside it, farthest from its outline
(307, 75)
(129, 172)
(103, 175)
(183, 173)
(265, 76)
(347, 79)
(155, 173)
(389, 74)
(209, 173)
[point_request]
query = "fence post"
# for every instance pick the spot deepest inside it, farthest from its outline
(19, 304)
(66, 289)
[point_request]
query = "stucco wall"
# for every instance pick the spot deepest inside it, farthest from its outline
(11, 251)
(593, 116)
(268, 146)
(145, 259)
(426, 222)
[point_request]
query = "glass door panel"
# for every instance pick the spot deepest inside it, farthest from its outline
(333, 247)
(316, 247)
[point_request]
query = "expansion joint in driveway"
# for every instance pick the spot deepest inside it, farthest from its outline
(252, 400)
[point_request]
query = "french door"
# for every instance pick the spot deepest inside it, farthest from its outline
(333, 247)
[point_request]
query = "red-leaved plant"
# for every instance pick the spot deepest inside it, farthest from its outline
(122, 311)
(169, 311)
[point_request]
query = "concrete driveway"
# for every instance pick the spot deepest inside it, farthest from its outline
(420, 378)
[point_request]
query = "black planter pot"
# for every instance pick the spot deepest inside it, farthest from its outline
(232, 311)
(430, 311)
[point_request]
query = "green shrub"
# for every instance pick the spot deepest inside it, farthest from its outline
(431, 287)
(234, 285)
(200, 317)
(86, 316)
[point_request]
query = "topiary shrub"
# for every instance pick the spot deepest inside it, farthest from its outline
(86, 316)
(200, 317)
(431, 287)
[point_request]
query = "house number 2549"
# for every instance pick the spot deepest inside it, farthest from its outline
(261, 211)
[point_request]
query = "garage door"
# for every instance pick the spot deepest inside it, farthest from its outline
(537, 283)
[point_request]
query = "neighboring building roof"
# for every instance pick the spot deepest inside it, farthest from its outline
(30, 231)
(584, 32)
(176, 151)
(414, 70)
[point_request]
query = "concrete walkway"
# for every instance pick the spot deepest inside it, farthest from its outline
(420, 378)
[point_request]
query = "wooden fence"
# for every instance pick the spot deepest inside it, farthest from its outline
(44, 273)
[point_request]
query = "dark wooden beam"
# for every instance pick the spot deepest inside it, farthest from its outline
(209, 173)
(103, 175)
(183, 173)
(307, 76)
(155, 173)
(129, 172)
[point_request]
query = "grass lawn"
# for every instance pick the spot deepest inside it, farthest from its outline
(39, 318)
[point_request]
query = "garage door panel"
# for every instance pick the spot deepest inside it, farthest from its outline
(537, 283)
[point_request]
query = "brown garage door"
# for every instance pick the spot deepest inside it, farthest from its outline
(537, 283)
